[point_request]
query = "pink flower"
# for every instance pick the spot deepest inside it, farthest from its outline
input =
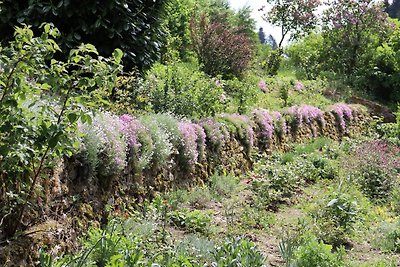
(263, 86)
(298, 86)
(222, 98)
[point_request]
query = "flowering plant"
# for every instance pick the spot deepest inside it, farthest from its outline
(343, 113)
(305, 114)
(265, 122)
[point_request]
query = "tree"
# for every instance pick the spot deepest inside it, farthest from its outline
(393, 9)
(272, 42)
(261, 35)
(351, 30)
(131, 25)
(295, 17)
(220, 48)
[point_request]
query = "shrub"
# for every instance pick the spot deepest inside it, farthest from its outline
(374, 166)
(280, 125)
(40, 105)
(129, 25)
(182, 89)
(305, 114)
(265, 122)
(276, 183)
(193, 221)
(162, 147)
(315, 253)
(140, 144)
(104, 146)
(390, 240)
(238, 252)
(193, 143)
(241, 126)
(216, 134)
(224, 185)
(343, 114)
(335, 216)
(220, 48)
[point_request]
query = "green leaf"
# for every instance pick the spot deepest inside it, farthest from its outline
(72, 117)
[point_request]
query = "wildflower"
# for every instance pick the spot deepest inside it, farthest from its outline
(298, 86)
(263, 86)
(222, 98)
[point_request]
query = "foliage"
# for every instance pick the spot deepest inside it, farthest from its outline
(104, 146)
(41, 104)
(241, 127)
(306, 55)
(315, 253)
(351, 29)
(192, 221)
(374, 166)
(274, 61)
(221, 49)
(335, 216)
(216, 134)
(242, 94)
(130, 25)
(224, 185)
(239, 252)
(175, 24)
(390, 240)
(179, 89)
(162, 146)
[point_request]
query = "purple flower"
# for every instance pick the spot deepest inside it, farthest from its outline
(130, 129)
(306, 113)
(298, 86)
(216, 134)
(343, 113)
(265, 121)
(222, 98)
(263, 86)
(193, 141)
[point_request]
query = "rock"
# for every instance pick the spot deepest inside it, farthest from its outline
(375, 109)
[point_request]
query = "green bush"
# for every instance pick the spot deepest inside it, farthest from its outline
(315, 253)
(334, 217)
(41, 103)
(129, 24)
(374, 166)
(306, 56)
(192, 221)
(181, 89)
(389, 239)
(238, 252)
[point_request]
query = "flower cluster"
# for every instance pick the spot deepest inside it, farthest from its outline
(307, 114)
(130, 128)
(105, 144)
(343, 113)
(263, 86)
(298, 86)
(216, 134)
(265, 121)
(193, 142)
